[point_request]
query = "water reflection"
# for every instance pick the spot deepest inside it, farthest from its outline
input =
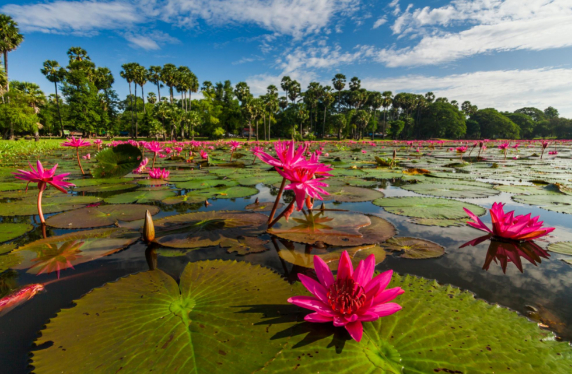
(505, 252)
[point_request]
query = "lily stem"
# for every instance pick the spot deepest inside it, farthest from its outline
(277, 201)
(281, 214)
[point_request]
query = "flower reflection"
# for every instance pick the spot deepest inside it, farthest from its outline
(54, 258)
(503, 252)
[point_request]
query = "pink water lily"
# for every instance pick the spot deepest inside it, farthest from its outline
(43, 178)
(204, 155)
(288, 155)
(157, 173)
(507, 226)
(76, 143)
(156, 148)
(303, 183)
(350, 299)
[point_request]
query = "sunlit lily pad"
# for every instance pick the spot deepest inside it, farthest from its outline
(245, 245)
(15, 186)
(60, 203)
(204, 229)
(106, 188)
(334, 228)
(346, 194)
(153, 182)
(558, 203)
(267, 178)
(332, 257)
(9, 231)
(116, 161)
(140, 197)
(103, 215)
(527, 190)
(184, 199)
(213, 321)
(99, 181)
(451, 190)
(428, 207)
(564, 248)
(414, 248)
(63, 252)
(440, 329)
(440, 222)
(262, 206)
(224, 192)
(206, 183)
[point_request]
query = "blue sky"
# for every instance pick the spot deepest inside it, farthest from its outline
(495, 53)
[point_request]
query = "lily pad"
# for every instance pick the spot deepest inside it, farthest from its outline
(428, 207)
(263, 206)
(184, 199)
(440, 222)
(414, 248)
(86, 182)
(15, 186)
(9, 231)
(451, 190)
(333, 256)
(224, 192)
(116, 161)
(440, 329)
(268, 179)
(60, 203)
(140, 197)
(62, 252)
(557, 203)
(564, 248)
(346, 194)
(245, 245)
(103, 215)
(213, 321)
(206, 183)
(153, 182)
(106, 188)
(204, 229)
(345, 229)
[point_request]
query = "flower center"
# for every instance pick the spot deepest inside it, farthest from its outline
(346, 296)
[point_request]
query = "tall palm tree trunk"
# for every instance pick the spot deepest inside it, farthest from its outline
(159, 91)
(59, 113)
(131, 98)
(257, 129)
(143, 97)
(136, 116)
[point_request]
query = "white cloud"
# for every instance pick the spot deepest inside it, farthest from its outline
(149, 41)
(83, 18)
(500, 89)
(379, 22)
(494, 25)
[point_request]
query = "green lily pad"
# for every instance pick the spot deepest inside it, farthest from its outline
(60, 203)
(440, 222)
(347, 194)
(62, 252)
(184, 199)
(428, 207)
(140, 197)
(451, 190)
(267, 178)
(332, 257)
(103, 215)
(414, 248)
(440, 329)
(206, 183)
(117, 161)
(205, 229)
(15, 186)
(557, 203)
(213, 321)
(9, 231)
(99, 181)
(245, 245)
(153, 182)
(263, 206)
(345, 229)
(564, 248)
(106, 188)
(224, 192)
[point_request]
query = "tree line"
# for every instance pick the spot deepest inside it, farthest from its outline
(84, 100)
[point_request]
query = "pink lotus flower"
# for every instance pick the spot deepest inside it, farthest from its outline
(288, 155)
(364, 151)
(87, 157)
(506, 226)
(98, 143)
(302, 183)
(461, 149)
(76, 143)
(503, 146)
(141, 166)
(234, 145)
(553, 152)
(156, 148)
(204, 155)
(158, 173)
(354, 297)
(43, 177)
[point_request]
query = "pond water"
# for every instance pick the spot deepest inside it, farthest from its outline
(542, 291)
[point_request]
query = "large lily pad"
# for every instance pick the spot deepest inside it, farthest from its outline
(440, 222)
(451, 190)
(334, 228)
(428, 207)
(140, 197)
(206, 183)
(245, 245)
(262, 206)
(87, 182)
(103, 215)
(558, 203)
(224, 192)
(213, 321)
(564, 248)
(440, 329)
(62, 252)
(116, 161)
(59, 203)
(414, 248)
(346, 194)
(204, 229)
(9, 231)
(106, 188)
(267, 178)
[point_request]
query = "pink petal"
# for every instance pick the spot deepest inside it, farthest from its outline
(314, 287)
(356, 330)
(317, 318)
(382, 280)
(311, 303)
(323, 272)
(383, 310)
(388, 295)
(345, 267)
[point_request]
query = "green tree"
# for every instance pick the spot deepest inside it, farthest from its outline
(10, 39)
(524, 122)
(55, 74)
(442, 120)
(494, 125)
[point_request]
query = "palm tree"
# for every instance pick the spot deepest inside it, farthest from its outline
(375, 102)
(339, 82)
(386, 103)
(272, 103)
(285, 84)
(140, 77)
(193, 86)
(55, 74)
(78, 54)
(294, 90)
(355, 84)
(155, 78)
(311, 98)
(327, 100)
(128, 74)
(151, 98)
(430, 97)
(169, 76)
(10, 39)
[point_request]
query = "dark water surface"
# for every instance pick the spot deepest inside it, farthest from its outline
(545, 289)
